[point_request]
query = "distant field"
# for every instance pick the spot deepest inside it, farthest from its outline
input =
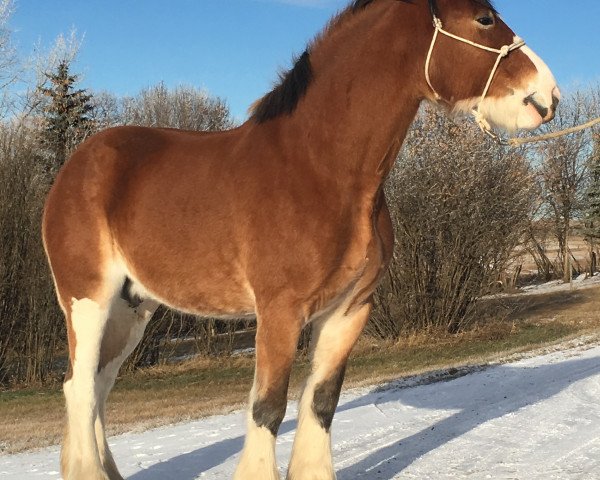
(579, 248)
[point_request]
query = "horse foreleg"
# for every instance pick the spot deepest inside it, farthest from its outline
(276, 345)
(333, 339)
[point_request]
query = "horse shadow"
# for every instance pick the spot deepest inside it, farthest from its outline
(188, 466)
(528, 385)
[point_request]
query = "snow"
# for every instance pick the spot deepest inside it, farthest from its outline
(581, 281)
(536, 418)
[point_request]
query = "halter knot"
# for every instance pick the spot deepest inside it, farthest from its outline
(505, 50)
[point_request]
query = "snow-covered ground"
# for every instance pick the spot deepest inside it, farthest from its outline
(582, 281)
(536, 418)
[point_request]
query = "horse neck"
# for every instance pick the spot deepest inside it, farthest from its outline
(365, 93)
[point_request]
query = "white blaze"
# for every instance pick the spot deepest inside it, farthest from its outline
(513, 112)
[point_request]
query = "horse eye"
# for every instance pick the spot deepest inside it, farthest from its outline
(486, 21)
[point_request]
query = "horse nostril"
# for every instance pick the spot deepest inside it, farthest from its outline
(530, 100)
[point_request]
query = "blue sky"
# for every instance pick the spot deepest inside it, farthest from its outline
(234, 48)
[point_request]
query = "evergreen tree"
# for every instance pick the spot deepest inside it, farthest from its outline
(67, 118)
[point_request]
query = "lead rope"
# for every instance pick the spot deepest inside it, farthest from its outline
(517, 142)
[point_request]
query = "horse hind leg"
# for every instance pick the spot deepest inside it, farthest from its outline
(127, 321)
(86, 321)
(103, 331)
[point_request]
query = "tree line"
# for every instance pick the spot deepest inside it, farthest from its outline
(464, 209)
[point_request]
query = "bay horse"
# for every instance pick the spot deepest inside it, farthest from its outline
(283, 217)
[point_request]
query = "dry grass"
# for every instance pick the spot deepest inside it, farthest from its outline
(33, 418)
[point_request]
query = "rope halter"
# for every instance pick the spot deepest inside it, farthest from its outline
(501, 52)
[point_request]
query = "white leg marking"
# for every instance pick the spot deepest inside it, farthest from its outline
(311, 454)
(80, 452)
(545, 83)
(258, 457)
(133, 323)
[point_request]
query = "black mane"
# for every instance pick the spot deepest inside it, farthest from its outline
(486, 3)
(286, 95)
(294, 83)
(489, 4)
(359, 4)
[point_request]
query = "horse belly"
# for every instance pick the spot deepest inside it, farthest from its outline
(188, 260)
(191, 284)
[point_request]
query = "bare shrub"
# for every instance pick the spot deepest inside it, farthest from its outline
(184, 107)
(591, 217)
(30, 322)
(460, 205)
(537, 240)
(564, 174)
